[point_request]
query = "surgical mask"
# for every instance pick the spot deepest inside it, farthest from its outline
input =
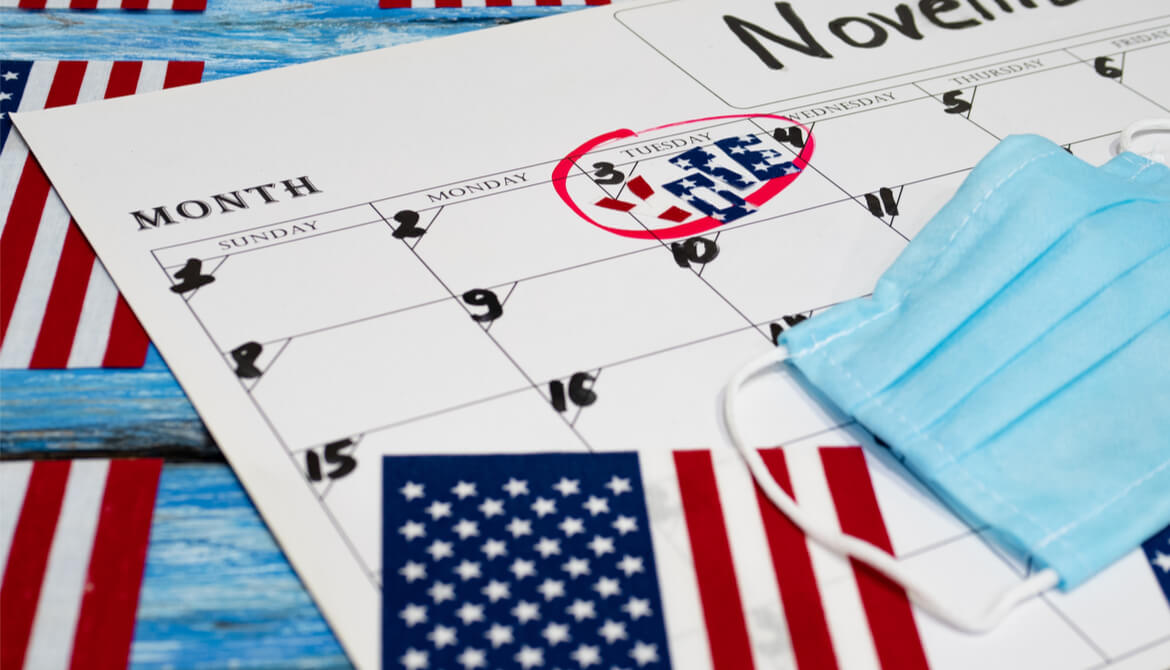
(1016, 358)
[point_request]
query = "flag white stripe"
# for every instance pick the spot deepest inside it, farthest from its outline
(36, 92)
(686, 631)
(755, 574)
(50, 644)
(13, 484)
(97, 316)
(152, 76)
(29, 311)
(844, 612)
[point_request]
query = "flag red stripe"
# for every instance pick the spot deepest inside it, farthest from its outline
(28, 557)
(128, 342)
(799, 593)
(28, 203)
(711, 552)
(105, 626)
(31, 4)
(67, 296)
(182, 73)
(20, 231)
(63, 311)
(887, 609)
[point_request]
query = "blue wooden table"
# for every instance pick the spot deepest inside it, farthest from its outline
(217, 591)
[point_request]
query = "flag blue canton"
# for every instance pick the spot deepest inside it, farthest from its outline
(13, 77)
(1157, 550)
(535, 561)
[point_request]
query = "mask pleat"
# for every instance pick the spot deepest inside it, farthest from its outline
(1103, 325)
(1053, 288)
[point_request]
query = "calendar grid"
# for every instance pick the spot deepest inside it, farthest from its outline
(731, 318)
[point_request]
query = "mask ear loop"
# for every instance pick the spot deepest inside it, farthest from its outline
(847, 545)
(1125, 141)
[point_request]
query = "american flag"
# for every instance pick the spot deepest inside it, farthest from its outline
(621, 561)
(455, 4)
(73, 539)
(58, 307)
(176, 5)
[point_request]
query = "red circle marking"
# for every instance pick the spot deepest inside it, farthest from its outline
(766, 192)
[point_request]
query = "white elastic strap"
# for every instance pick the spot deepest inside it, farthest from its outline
(846, 545)
(1125, 141)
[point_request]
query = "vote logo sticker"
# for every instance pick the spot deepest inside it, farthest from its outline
(683, 179)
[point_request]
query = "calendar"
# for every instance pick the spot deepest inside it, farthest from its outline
(568, 243)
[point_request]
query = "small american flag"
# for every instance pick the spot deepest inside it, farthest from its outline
(58, 307)
(176, 5)
(455, 4)
(621, 561)
(73, 539)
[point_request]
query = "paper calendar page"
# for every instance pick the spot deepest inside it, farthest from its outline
(567, 244)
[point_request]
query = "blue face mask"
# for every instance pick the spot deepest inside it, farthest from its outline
(1016, 357)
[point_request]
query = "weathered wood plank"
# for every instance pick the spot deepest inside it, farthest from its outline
(218, 592)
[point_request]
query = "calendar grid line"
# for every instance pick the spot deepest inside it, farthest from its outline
(1081, 633)
(494, 341)
(969, 113)
(1132, 652)
(1121, 82)
(346, 540)
(272, 362)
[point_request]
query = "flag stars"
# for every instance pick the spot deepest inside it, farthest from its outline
(571, 526)
(612, 631)
(469, 613)
(519, 527)
(491, 507)
(601, 545)
(555, 633)
(472, 658)
(619, 485)
(438, 510)
(547, 547)
(1162, 561)
(494, 549)
(442, 636)
(9, 76)
(414, 659)
(525, 611)
(411, 491)
(412, 530)
(567, 487)
(441, 591)
(607, 586)
(440, 550)
(499, 635)
(497, 591)
(576, 567)
(413, 615)
(464, 490)
(597, 505)
(630, 565)
(637, 608)
(516, 487)
(5, 96)
(522, 568)
(468, 570)
(586, 655)
(625, 524)
(643, 653)
(581, 610)
(543, 507)
(465, 529)
(529, 657)
(551, 589)
(413, 572)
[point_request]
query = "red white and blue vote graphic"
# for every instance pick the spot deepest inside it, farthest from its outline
(683, 179)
